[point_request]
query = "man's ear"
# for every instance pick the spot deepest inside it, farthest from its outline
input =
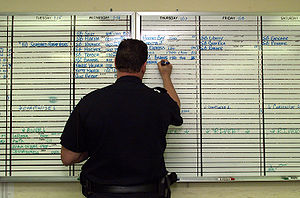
(143, 68)
(115, 63)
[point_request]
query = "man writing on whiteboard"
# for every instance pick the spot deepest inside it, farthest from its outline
(121, 129)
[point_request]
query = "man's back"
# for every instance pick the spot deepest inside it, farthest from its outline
(125, 126)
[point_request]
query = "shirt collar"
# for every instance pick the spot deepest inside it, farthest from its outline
(129, 79)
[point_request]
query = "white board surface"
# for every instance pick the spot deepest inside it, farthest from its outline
(237, 77)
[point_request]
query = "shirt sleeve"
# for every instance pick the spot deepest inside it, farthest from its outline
(73, 136)
(174, 110)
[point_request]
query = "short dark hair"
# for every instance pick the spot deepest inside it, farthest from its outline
(131, 55)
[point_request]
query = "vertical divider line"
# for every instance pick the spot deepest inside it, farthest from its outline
(126, 23)
(6, 96)
(259, 93)
(11, 102)
(73, 74)
(197, 99)
(140, 27)
(262, 92)
(70, 70)
(200, 100)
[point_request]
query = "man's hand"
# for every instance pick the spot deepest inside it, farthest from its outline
(165, 72)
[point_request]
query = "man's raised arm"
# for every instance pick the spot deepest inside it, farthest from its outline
(165, 72)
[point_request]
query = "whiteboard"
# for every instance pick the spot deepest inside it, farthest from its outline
(237, 77)
(48, 63)
(238, 81)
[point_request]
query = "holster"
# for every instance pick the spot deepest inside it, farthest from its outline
(86, 186)
(164, 189)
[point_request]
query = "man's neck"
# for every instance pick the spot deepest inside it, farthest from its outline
(121, 74)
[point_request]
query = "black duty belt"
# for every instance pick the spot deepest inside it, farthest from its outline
(97, 188)
(162, 187)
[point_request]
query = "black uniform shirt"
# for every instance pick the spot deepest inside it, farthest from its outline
(123, 128)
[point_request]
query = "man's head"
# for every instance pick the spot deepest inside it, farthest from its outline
(131, 56)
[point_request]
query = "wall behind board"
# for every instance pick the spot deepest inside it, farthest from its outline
(182, 190)
(187, 190)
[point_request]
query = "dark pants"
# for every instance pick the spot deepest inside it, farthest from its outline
(127, 195)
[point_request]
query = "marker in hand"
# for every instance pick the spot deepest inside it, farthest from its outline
(165, 63)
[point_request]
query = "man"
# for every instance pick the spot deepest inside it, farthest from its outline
(121, 129)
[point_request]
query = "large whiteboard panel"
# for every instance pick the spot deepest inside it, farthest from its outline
(237, 78)
(48, 62)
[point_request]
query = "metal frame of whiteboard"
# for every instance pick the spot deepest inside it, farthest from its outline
(136, 34)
